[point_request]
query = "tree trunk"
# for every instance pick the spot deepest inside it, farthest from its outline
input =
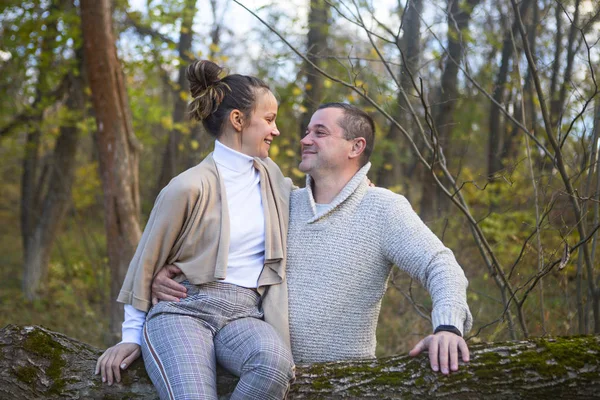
(316, 47)
(556, 109)
(497, 129)
(410, 47)
(510, 147)
(46, 186)
(43, 231)
(118, 149)
(171, 165)
(459, 14)
(39, 364)
(31, 161)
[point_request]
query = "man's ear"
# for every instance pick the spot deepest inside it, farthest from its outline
(358, 147)
(236, 118)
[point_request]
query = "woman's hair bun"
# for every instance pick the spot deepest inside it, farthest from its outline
(206, 88)
(202, 74)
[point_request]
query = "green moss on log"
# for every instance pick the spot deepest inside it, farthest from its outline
(45, 346)
(26, 374)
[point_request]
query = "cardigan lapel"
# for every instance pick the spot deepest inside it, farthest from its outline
(223, 251)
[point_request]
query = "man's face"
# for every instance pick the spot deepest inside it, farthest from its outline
(324, 147)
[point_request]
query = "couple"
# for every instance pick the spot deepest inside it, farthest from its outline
(221, 228)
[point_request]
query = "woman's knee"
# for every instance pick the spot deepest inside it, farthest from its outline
(273, 355)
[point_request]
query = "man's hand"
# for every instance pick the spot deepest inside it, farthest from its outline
(443, 348)
(165, 288)
(115, 359)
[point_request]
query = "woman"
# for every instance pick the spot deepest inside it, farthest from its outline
(223, 223)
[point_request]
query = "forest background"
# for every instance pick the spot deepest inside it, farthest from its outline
(488, 121)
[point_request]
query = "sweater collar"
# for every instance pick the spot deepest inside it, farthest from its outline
(233, 160)
(358, 180)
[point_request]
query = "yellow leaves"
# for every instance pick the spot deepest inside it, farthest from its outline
(396, 188)
(290, 153)
(214, 48)
(302, 109)
(166, 122)
(351, 98)
(308, 86)
(182, 127)
(297, 173)
(388, 166)
(327, 83)
(194, 145)
(86, 187)
(274, 150)
(55, 131)
(296, 91)
(184, 95)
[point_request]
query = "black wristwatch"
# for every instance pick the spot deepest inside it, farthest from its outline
(447, 328)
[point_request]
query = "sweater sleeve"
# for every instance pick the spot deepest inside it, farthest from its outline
(159, 241)
(414, 248)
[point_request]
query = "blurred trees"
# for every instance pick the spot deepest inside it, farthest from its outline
(171, 157)
(47, 178)
(487, 115)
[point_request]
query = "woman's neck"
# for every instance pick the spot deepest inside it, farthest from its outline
(233, 140)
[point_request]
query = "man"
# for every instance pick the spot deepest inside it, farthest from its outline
(343, 239)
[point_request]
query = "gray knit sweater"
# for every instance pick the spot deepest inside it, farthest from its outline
(339, 262)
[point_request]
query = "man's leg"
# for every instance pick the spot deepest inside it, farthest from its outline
(179, 356)
(251, 349)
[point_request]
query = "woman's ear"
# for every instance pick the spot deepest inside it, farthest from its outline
(358, 147)
(236, 118)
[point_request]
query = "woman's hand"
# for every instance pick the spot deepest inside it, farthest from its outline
(115, 359)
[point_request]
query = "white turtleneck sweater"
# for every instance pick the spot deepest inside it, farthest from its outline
(247, 229)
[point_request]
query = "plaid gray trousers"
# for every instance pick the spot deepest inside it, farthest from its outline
(216, 322)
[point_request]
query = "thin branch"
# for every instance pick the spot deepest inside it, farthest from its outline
(485, 249)
(558, 156)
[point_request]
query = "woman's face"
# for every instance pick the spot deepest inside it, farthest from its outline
(259, 132)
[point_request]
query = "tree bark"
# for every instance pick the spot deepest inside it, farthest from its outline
(118, 149)
(39, 364)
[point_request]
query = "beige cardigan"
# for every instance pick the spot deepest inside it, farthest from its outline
(189, 228)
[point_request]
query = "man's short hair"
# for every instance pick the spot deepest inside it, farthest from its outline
(355, 123)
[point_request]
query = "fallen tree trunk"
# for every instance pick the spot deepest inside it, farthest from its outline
(36, 363)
